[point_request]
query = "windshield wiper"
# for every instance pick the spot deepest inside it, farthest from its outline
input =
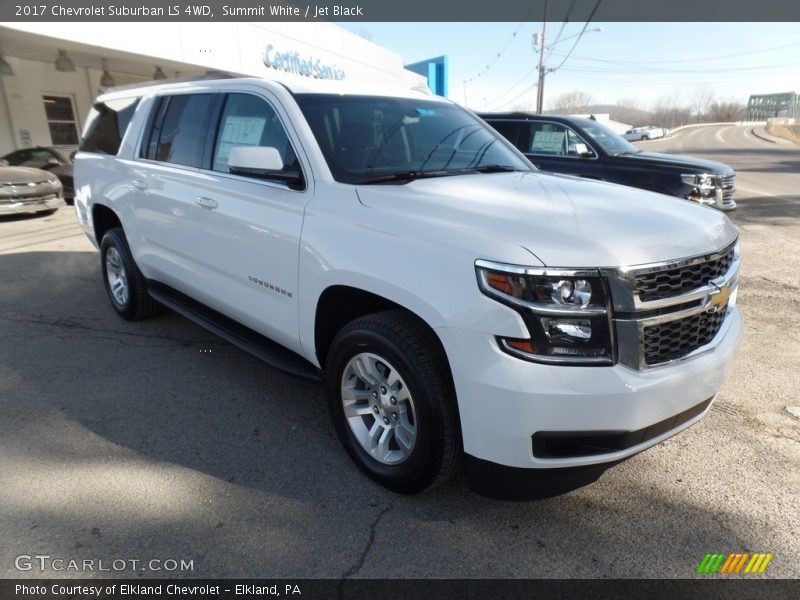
(403, 176)
(491, 169)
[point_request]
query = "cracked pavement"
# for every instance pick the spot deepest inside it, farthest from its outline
(156, 440)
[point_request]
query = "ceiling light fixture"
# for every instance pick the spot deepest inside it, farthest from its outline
(106, 80)
(64, 63)
(5, 68)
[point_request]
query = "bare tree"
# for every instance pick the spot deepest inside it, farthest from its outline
(725, 110)
(669, 111)
(629, 111)
(701, 102)
(570, 103)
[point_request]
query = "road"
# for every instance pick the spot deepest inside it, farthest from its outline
(155, 440)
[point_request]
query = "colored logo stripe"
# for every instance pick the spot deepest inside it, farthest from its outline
(734, 563)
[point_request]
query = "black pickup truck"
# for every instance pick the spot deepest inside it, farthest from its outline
(587, 148)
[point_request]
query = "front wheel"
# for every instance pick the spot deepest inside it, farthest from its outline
(392, 401)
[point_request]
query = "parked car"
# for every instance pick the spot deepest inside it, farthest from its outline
(644, 133)
(26, 190)
(49, 159)
(586, 148)
(454, 300)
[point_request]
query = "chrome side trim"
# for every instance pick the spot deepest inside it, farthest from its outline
(536, 271)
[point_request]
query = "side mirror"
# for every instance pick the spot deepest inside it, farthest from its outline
(72, 155)
(581, 150)
(255, 160)
(53, 162)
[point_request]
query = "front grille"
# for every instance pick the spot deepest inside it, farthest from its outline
(675, 281)
(675, 339)
(28, 199)
(728, 185)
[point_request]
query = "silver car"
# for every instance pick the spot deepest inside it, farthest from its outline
(27, 190)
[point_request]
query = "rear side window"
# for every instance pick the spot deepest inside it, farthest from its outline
(108, 121)
(511, 131)
(179, 129)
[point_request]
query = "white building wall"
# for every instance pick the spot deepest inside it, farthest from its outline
(24, 93)
(134, 49)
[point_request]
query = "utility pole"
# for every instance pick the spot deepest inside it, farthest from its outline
(540, 86)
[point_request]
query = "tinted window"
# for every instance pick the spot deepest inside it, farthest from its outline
(179, 130)
(511, 131)
(250, 121)
(108, 122)
(363, 137)
(611, 142)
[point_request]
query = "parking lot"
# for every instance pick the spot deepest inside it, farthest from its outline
(156, 440)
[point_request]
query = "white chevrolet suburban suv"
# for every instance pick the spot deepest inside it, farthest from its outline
(458, 303)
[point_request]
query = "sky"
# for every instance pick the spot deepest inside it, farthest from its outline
(643, 61)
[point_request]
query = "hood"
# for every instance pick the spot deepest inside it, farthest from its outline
(23, 175)
(564, 221)
(693, 164)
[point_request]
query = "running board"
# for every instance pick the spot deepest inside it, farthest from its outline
(235, 333)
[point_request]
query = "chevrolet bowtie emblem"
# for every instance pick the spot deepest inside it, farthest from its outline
(718, 298)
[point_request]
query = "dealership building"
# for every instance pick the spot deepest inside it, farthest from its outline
(51, 72)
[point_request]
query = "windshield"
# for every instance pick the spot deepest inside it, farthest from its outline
(368, 139)
(609, 141)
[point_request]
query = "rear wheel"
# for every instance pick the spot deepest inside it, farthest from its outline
(125, 285)
(392, 401)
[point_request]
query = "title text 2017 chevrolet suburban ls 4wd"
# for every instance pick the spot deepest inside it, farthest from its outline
(459, 304)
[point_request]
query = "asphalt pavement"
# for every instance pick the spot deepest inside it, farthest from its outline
(157, 441)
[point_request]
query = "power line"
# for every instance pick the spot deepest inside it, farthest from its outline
(683, 60)
(503, 50)
(589, 20)
(496, 99)
(773, 66)
(561, 30)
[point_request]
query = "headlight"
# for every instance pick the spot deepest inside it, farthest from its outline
(52, 181)
(566, 312)
(700, 180)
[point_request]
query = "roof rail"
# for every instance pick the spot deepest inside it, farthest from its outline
(207, 76)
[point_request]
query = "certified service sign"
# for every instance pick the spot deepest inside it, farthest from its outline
(293, 62)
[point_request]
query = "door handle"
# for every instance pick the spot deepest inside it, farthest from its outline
(208, 203)
(139, 184)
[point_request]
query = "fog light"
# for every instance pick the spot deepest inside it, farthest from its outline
(570, 331)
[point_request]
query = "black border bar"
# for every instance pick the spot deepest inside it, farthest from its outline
(741, 587)
(405, 11)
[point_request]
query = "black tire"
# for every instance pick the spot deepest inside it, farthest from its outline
(139, 304)
(409, 345)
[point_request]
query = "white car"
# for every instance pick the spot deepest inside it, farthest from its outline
(456, 302)
(644, 133)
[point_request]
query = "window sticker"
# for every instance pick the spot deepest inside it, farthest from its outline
(551, 142)
(239, 131)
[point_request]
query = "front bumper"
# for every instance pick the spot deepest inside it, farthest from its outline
(32, 204)
(504, 401)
